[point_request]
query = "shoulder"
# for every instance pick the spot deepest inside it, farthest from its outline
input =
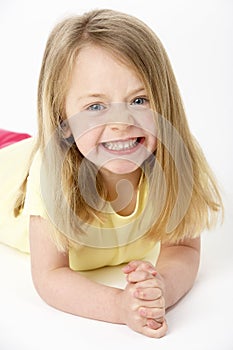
(34, 201)
(18, 150)
(36, 162)
(15, 162)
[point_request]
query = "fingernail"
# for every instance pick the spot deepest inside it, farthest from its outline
(142, 312)
(153, 271)
(126, 268)
(154, 324)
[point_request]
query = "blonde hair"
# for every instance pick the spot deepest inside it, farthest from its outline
(135, 44)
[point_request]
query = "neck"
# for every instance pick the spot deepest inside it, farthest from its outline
(111, 180)
(122, 190)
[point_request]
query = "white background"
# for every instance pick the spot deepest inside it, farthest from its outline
(198, 37)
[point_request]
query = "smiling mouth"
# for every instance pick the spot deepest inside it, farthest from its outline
(123, 145)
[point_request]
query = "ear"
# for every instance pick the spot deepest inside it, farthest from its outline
(66, 131)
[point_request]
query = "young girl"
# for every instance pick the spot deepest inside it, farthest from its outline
(114, 175)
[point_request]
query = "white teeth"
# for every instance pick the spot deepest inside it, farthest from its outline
(121, 145)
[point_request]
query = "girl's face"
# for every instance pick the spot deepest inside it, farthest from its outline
(109, 112)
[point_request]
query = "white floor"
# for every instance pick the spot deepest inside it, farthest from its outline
(201, 320)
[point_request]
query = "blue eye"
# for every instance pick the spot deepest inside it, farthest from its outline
(139, 101)
(96, 107)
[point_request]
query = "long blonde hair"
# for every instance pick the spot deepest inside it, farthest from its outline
(134, 43)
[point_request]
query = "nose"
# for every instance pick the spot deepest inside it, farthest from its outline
(119, 126)
(120, 118)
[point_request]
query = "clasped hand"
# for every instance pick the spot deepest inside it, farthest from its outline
(143, 300)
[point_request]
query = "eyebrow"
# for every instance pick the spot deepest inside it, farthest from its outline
(99, 95)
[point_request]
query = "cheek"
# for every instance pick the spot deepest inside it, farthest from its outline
(88, 142)
(82, 144)
(155, 141)
(151, 142)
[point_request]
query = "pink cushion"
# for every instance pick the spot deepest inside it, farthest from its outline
(9, 137)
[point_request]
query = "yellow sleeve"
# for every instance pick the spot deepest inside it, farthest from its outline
(15, 164)
(34, 204)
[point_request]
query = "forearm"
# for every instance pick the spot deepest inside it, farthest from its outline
(71, 292)
(178, 265)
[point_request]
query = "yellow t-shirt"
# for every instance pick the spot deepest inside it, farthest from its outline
(118, 240)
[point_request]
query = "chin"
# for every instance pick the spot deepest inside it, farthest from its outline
(121, 167)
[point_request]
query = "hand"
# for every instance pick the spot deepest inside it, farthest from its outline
(139, 312)
(150, 290)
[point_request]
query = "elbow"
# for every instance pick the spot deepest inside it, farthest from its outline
(42, 286)
(47, 286)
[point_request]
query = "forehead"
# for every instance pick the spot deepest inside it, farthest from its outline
(97, 66)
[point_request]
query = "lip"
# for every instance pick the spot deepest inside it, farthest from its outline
(124, 139)
(127, 151)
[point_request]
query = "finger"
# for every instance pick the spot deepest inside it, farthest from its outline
(155, 333)
(128, 268)
(151, 303)
(159, 320)
(149, 294)
(146, 266)
(131, 266)
(154, 313)
(150, 283)
(138, 276)
(139, 265)
(154, 324)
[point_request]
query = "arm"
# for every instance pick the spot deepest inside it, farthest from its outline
(63, 288)
(178, 267)
(71, 292)
(172, 278)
